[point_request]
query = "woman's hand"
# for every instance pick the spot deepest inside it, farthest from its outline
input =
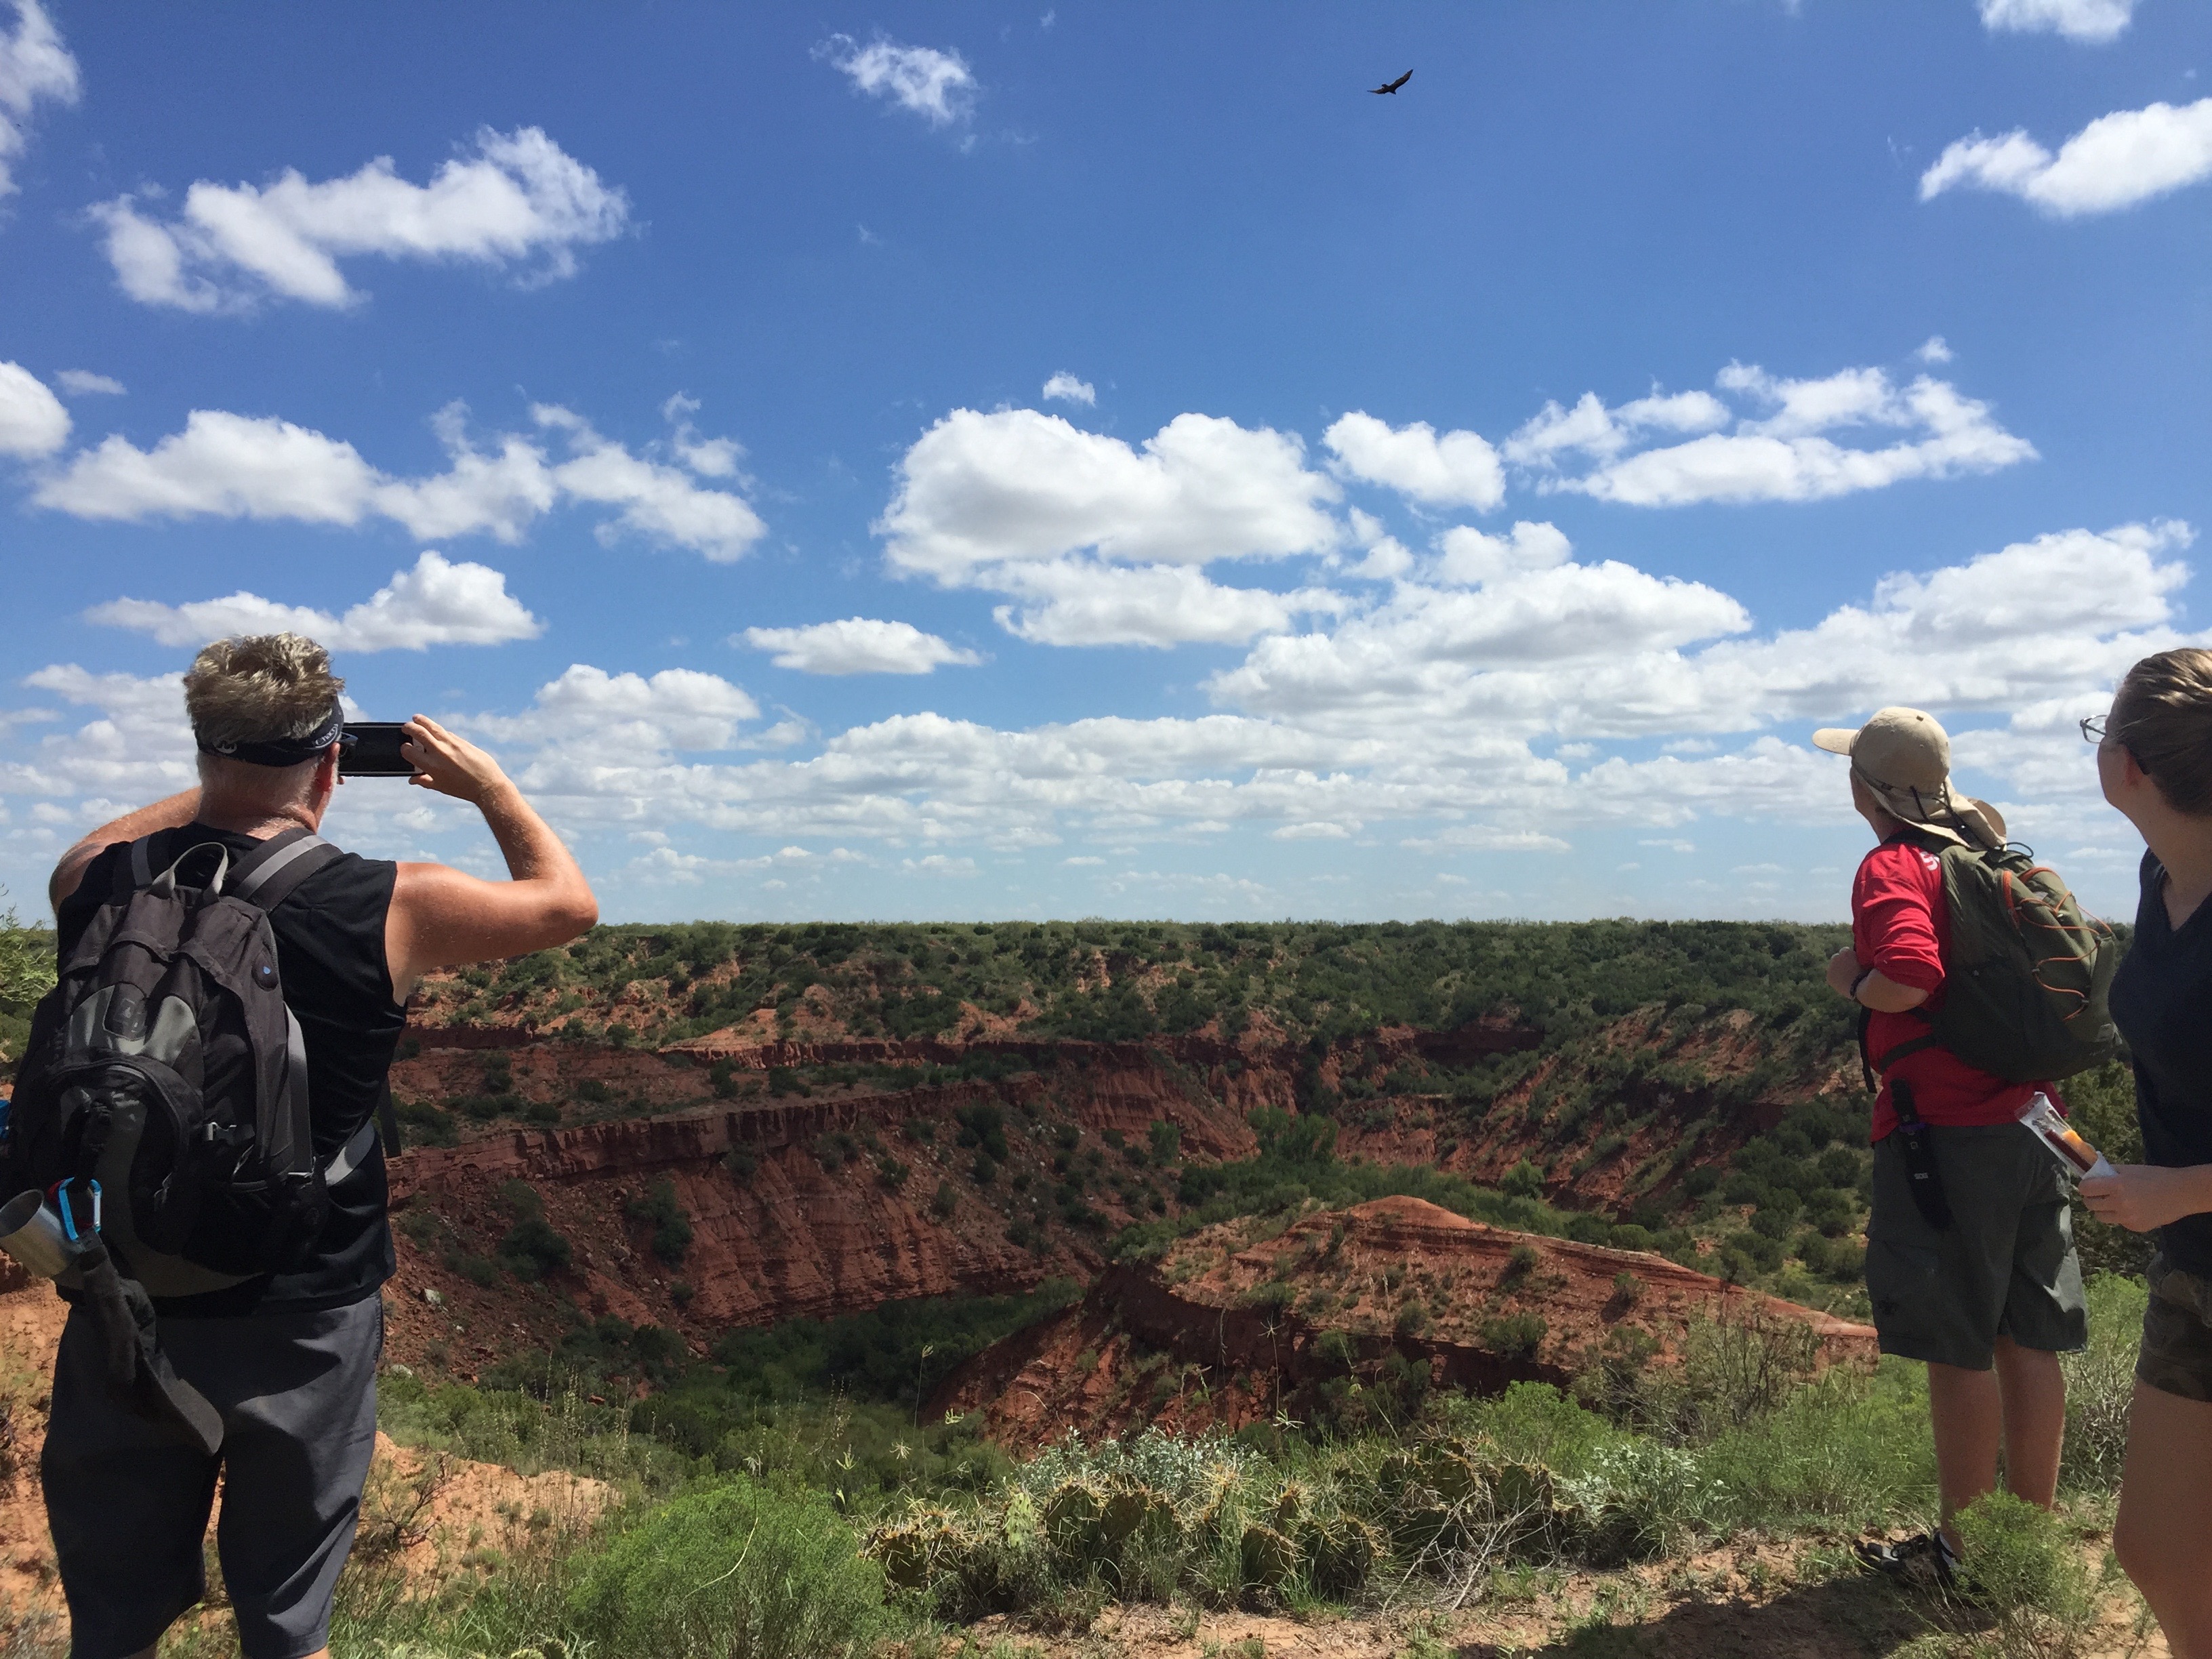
(2142, 1196)
(449, 764)
(1842, 970)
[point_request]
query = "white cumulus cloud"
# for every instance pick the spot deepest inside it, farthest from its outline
(1458, 469)
(1593, 429)
(83, 383)
(1099, 542)
(1460, 723)
(1084, 602)
(858, 644)
(1019, 486)
(1779, 448)
(1468, 557)
(247, 466)
(1066, 387)
(33, 423)
(2096, 20)
(937, 86)
(509, 199)
(35, 68)
(589, 721)
(2116, 161)
(436, 602)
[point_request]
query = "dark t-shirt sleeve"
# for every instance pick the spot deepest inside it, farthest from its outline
(75, 913)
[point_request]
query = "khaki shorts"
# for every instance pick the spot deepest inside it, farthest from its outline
(2177, 1338)
(2005, 1265)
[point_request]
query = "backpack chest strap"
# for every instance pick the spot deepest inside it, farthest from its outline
(352, 1155)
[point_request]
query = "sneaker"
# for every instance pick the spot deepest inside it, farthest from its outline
(1926, 1559)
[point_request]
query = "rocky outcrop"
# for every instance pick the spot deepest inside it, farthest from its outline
(1244, 1327)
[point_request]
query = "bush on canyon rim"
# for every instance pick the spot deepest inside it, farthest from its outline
(735, 1571)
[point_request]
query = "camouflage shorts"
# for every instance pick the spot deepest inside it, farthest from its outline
(2177, 1336)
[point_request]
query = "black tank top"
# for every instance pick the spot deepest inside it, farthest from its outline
(329, 950)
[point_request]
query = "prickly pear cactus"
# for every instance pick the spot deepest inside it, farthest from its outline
(1340, 1552)
(1132, 1510)
(914, 1551)
(1269, 1558)
(1074, 1513)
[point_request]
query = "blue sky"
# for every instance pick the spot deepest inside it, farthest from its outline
(979, 460)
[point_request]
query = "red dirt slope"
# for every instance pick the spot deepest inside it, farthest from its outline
(1232, 1323)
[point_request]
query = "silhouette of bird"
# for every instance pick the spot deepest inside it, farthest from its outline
(1392, 86)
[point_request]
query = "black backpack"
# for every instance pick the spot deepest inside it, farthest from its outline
(163, 1092)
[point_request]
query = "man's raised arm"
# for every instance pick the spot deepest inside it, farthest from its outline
(442, 918)
(176, 812)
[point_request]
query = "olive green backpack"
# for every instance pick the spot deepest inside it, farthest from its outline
(2025, 976)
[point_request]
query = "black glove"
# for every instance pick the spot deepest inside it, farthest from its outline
(138, 1369)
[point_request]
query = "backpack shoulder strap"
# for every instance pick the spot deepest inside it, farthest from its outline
(266, 877)
(133, 870)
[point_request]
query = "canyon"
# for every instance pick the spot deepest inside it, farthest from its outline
(814, 1180)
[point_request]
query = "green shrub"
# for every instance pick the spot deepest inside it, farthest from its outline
(1524, 1179)
(672, 1228)
(734, 1572)
(983, 1125)
(2023, 1567)
(477, 1269)
(422, 1124)
(1518, 1335)
(533, 1249)
(1845, 1450)
(2101, 1384)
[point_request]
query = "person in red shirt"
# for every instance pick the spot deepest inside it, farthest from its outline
(1970, 1248)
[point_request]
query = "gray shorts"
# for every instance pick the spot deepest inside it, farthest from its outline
(128, 1503)
(2005, 1265)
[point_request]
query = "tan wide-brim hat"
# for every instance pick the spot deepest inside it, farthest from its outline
(1903, 756)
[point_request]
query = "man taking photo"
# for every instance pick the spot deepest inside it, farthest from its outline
(287, 1358)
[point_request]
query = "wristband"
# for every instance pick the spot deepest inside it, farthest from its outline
(1865, 974)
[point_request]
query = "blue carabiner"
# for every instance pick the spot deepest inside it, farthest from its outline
(57, 1195)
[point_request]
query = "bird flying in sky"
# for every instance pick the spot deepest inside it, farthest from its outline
(1392, 86)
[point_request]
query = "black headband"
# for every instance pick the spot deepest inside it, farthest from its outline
(285, 752)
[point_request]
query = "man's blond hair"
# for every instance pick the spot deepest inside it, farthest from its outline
(260, 687)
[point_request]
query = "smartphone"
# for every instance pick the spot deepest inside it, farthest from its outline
(374, 751)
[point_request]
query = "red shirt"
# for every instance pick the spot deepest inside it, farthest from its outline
(1900, 925)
